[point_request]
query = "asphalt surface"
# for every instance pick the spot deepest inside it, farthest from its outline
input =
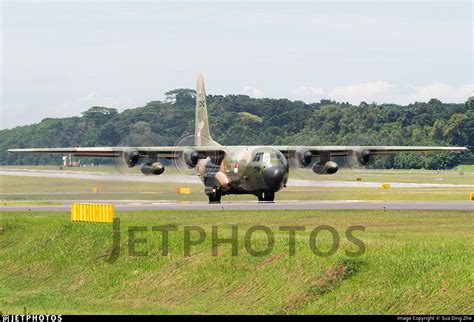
(253, 205)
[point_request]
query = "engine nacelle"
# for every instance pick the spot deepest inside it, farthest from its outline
(131, 158)
(191, 158)
(329, 167)
(363, 157)
(304, 158)
(155, 168)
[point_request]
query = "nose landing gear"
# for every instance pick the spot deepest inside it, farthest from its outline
(214, 195)
(266, 196)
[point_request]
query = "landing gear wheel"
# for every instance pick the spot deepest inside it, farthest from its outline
(215, 197)
(266, 196)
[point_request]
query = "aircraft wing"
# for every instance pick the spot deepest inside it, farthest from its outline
(304, 154)
(155, 152)
(373, 150)
(217, 152)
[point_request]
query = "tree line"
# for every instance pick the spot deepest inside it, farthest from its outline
(241, 120)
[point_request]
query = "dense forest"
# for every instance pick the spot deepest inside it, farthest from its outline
(241, 120)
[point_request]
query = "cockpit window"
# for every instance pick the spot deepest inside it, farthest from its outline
(258, 156)
(266, 159)
(281, 158)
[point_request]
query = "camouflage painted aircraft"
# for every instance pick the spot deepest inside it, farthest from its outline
(257, 170)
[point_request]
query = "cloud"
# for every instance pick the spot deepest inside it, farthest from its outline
(252, 91)
(92, 98)
(385, 92)
(356, 93)
(308, 91)
(353, 93)
(443, 92)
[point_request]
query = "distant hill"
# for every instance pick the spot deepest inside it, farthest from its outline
(239, 119)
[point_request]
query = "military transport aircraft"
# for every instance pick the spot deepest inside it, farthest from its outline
(257, 170)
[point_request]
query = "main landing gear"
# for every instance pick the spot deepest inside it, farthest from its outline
(266, 196)
(215, 196)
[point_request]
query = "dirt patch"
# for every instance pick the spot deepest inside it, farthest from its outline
(331, 279)
(269, 261)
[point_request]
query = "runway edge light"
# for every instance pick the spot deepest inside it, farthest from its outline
(81, 212)
(472, 196)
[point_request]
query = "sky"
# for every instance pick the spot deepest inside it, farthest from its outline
(60, 58)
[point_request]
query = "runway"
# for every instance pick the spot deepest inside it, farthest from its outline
(177, 178)
(127, 205)
(253, 205)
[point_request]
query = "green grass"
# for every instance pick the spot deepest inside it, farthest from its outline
(28, 203)
(402, 176)
(465, 167)
(106, 169)
(43, 188)
(416, 262)
(109, 169)
(393, 194)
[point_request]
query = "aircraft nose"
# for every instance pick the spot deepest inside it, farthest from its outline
(273, 177)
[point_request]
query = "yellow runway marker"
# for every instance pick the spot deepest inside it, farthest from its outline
(186, 191)
(81, 212)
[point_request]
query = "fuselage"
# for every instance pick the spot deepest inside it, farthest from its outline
(245, 170)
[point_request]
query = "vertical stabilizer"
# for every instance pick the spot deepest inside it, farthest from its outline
(202, 136)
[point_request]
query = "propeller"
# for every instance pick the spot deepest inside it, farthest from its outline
(302, 161)
(188, 162)
(131, 161)
(360, 157)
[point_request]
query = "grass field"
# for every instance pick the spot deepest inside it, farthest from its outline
(414, 262)
(465, 167)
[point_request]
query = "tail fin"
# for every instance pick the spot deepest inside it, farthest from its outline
(202, 136)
